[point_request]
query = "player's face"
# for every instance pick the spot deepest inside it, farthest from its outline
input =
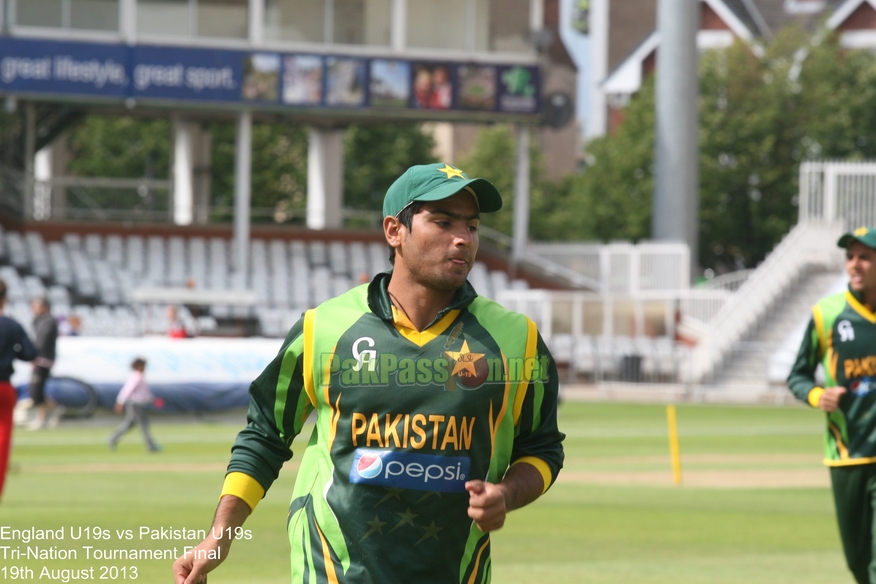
(861, 267)
(440, 248)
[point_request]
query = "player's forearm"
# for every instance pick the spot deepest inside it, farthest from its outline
(522, 485)
(231, 513)
(195, 563)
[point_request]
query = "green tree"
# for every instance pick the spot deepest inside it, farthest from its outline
(120, 147)
(493, 156)
(376, 155)
(761, 114)
(278, 172)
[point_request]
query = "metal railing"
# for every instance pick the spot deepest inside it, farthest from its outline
(730, 281)
(651, 314)
(838, 191)
(622, 267)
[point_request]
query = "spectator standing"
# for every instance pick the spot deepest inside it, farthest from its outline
(14, 344)
(175, 328)
(45, 329)
(133, 398)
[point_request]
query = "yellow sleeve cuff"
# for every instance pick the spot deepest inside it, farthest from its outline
(814, 396)
(243, 487)
(541, 466)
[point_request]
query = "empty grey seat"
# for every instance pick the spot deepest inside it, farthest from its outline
(318, 253)
(135, 256)
(177, 269)
(156, 271)
(498, 283)
(379, 255)
(320, 285)
(218, 265)
(38, 254)
(17, 252)
(59, 259)
(359, 260)
(115, 251)
(479, 278)
(93, 245)
(72, 241)
(337, 258)
(197, 271)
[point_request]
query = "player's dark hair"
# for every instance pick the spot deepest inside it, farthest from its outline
(406, 218)
(138, 363)
(2, 290)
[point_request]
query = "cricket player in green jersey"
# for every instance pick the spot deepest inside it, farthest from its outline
(436, 411)
(842, 337)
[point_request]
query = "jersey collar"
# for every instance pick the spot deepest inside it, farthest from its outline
(381, 305)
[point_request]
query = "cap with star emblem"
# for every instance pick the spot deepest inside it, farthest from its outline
(434, 182)
(866, 235)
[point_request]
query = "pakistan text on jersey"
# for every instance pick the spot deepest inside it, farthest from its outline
(861, 367)
(426, 371)
(417, 431)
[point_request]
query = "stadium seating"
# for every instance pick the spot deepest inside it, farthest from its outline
(93, 275)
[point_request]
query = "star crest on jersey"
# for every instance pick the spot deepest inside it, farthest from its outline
(451, 172)
(465, 360)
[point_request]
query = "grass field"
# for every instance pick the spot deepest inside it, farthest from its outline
(755, 506)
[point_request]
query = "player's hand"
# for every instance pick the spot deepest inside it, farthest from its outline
(119, 408)
(829, 400)
(486, 505)
(192, 567)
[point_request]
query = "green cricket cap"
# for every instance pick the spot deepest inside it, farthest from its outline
(866, 235)
(434, 182)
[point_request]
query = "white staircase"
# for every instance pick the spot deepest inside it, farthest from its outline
(747, 361)
(810, 246)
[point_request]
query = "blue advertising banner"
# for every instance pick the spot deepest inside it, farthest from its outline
(264, 79)
(180, 73)
(63, 67)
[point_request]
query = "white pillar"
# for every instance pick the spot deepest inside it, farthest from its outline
(521, 195)
(675, 209)
(328, 22)
(399, 25)
(128, 20)
(536, 15)
(597, 123)
(42, 189)
(183, 171)
(325, 178)
(242, 189)
(256, 22)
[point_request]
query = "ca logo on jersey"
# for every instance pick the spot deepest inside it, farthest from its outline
(368, 356)
(845, 330)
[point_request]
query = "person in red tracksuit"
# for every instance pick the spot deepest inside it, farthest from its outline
(14, 344)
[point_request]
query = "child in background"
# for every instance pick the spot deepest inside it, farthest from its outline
(133, 399)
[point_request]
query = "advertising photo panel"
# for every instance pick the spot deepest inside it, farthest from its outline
(432, 86)
(261, 77)
(477, 87)
(345, 83)
(518, 89)
(302, 80)
(390, 84)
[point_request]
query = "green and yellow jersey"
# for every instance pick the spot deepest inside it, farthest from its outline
(404, 419)
(841, 336)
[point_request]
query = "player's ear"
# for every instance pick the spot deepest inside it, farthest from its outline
(392, 229)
